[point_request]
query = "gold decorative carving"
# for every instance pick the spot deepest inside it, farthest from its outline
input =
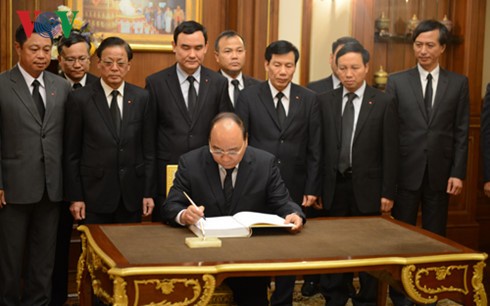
(408, 281)
(94, 263)
(441, 274)
(120, 296)
(479, 295)
(411, 277)
(81, 262)
(202, 294)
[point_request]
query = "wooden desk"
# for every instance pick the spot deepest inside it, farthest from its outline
(149, 263)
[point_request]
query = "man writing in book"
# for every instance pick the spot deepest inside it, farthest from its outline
(227, 177)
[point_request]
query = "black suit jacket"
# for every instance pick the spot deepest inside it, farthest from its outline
(258, 186)
(247, 80)
(322, 85)
(177, 132)
(439, 142)
(90, 78)
(100, 168)
(374, 148)
(297, 145)
(485, 135)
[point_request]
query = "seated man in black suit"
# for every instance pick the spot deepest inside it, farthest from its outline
(228, 177)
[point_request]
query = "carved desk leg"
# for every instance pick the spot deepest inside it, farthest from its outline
(479, 295)
(120, 296)
(84, 286)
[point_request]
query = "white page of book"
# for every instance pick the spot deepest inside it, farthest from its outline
(255, 219)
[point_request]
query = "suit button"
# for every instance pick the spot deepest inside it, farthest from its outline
(121, 149)
(282, 140)
(122, 171)
(278, 162)
(43, 136)
(42, 159)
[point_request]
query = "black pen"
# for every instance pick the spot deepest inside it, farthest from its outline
(192, 202)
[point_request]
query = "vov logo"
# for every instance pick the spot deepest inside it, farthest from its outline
(47, 24)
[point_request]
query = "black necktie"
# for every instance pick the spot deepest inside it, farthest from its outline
(38, 100)
(281, 111)
(192, 96)
(76, 86)
(347, 128)
(115, 112)
(228, 186)
(428, 95)
(236, 90)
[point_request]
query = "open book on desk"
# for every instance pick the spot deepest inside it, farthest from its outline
(238, 225)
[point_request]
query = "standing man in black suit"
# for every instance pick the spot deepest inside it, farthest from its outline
(311, 281)
(74, 61)
(282, 118)
(230, 54)
(332, 81)
(360, 159)
(32, 102)
(228, 177)
(433, 137)
(109, 163)
(433, 110)
(187, 96)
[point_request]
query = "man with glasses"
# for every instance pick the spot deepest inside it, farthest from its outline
(283, 119)
(227, 177)
(74, 61)
(109, 164)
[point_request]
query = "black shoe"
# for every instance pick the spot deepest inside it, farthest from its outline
(309, 289)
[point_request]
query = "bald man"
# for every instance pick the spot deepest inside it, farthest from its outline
(255, 183)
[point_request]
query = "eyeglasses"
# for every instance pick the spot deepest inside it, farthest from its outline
(219, 152)
(109, 64)
(73, 60)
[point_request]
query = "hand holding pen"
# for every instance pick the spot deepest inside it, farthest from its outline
(200, 213)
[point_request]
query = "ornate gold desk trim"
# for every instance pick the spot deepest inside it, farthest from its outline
(480, 296)
(348, 263)
(120, 296)
(167, 287)
(81, 263)
(93, 259)
(411, 279)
